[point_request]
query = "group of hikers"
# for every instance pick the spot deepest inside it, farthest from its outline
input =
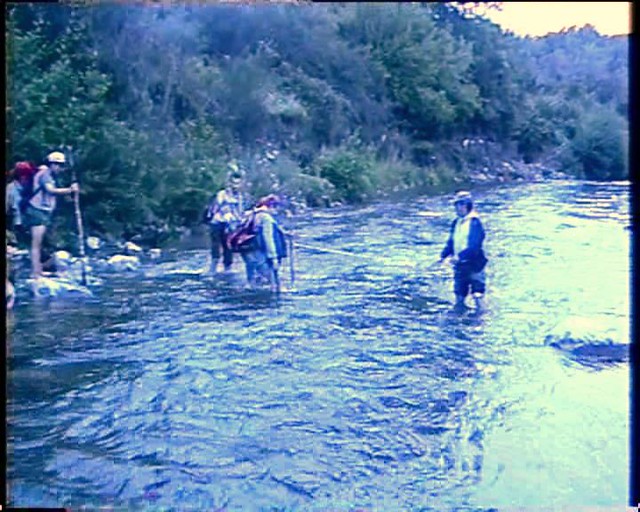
(254, 233)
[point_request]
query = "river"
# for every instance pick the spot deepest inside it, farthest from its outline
(357, 390)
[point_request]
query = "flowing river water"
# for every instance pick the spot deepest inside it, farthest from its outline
(359, 389)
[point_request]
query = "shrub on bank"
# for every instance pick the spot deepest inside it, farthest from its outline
(284, 176)
(349, 171)
(599, 150)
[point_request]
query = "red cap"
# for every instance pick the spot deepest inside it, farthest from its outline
(21, 167)
(23, 170)
(269, 201)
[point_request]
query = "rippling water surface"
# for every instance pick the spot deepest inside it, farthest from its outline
(358, 389)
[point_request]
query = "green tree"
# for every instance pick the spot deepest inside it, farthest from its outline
(599, 150)
(426, 70)
(57, 97)
(349, 171)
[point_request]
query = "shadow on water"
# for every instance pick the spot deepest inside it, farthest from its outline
(358, 388)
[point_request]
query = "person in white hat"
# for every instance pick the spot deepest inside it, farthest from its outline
(42, 204)
(224, 213)
(464, 247)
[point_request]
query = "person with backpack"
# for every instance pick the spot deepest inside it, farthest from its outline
(19, 181)
(40, 197)
(268, 246)
(223, 214)
(12, 200)
(464, 247)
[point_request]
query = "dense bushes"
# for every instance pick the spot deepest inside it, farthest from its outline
(323, 104)
(599, 150)
(350, 173)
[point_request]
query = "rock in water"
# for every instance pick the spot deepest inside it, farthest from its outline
(62, 260)
(580, 330)
(94, 243)
(592, 341)
(49, 287)
(71, 269)
(130, 247)
(121, 262)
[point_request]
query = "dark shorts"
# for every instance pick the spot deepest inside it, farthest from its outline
(217, 233)
(36, 217)
(464, 280)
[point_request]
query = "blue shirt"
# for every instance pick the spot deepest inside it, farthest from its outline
(472, 254)
(43, 200)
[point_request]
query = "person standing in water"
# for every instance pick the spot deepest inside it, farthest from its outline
(223, 214)
(263, 260)
(39, 212)
(464, 247)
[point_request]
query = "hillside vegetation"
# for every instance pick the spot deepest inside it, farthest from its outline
(322, 103)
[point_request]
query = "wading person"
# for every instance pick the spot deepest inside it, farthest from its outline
(223, 215)
(464, 246)
(13, 195)
(37, 216)
(263, 261)
(17, 194)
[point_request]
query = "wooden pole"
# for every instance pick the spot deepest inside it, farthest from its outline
(78, 213)
(291, 262)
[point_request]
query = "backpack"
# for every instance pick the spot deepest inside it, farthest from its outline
(247, 238)
(25, 172)
(244, 238)
(280, 242)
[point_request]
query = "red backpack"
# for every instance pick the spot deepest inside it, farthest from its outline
(245, 237)
(24, 173)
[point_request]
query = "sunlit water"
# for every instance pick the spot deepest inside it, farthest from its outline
(357, 390)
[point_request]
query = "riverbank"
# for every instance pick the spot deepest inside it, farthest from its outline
(467, 163)
(474, 164)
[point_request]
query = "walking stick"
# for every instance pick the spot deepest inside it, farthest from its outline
(291, 262)
(78, 213)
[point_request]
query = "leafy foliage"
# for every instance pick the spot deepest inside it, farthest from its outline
(322, 103)
(599, 149)
(349, 171)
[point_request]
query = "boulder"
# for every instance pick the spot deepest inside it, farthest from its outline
(122, 262)
(131, 248)
(94, 243)
(50, 287)
(62, 259)
(596, 329)
(75, 271)
(592, 341)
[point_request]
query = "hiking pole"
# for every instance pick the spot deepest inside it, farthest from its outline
(76, 205)
(291, 262)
